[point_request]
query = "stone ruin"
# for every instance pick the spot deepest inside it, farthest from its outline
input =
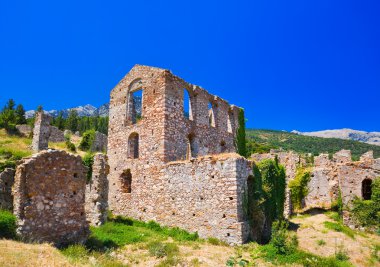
(6, 183)
(100, 142)
(174, 165)
(97, 192)
(43, 132)
(331, 176)
(49, 198)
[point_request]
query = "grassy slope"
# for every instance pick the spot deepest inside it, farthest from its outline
(308, 144)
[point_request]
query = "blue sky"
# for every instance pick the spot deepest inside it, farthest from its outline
(305, 65)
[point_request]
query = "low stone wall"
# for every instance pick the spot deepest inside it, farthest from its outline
(6, 183)
(49, 198)
(97, 192)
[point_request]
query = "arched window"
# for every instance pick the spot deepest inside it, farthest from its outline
(187, 107)
(126, 181)
(135, 101)
(133, 146)
(211, 114)
(367, 189)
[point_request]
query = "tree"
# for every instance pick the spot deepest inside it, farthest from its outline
(72, 121)
(8, 116)
(60, 121)
(20, 114)
(240, 135)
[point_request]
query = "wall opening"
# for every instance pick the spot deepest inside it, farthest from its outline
(211, 114)
(126, 181)
(187, 105)
(133, 146)
(367, 189)
(191, 151)
(229, 122)
(135, 101)
(223, 147)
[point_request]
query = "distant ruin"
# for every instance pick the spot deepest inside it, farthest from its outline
(49, 198)
(331, 176)
(173, 161)
(43, 132)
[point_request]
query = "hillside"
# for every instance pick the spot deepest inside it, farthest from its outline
(372, 138)
(263, 140)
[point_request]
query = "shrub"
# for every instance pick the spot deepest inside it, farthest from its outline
(337, 205)
(321, 242)
(240, 135)
(70, 146)
(298, 186)
(88, 161)
(282, 242)
(367, 212)
(7, 224)
(87, 140)
(160, 250)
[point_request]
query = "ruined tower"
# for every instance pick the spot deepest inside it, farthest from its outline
(41, 131)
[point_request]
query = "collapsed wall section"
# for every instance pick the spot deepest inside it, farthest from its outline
(49, 198)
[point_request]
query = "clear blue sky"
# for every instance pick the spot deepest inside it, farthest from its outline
(305, 65)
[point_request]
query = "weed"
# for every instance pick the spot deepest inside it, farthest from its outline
(339, 227)
(321, 242)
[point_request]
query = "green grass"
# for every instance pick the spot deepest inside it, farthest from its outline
(122, 231)
(339, 227)
(334, 216)
(268, 253)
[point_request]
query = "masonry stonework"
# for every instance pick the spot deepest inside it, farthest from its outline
(330, 177)
(175, 166)
(41, 131)
(97, 191)
(49, 198)
(100, 142)
(6, 183)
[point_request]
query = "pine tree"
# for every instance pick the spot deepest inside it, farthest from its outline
(20, 114)
(72, 121)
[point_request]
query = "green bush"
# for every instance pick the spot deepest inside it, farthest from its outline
(367, 212)
(88, 161)
(298, 186)
(87, 140)
(240, 135)
(7, 224)
(281, 240)
(70, 146)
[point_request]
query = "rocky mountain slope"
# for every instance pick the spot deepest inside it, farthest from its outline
(372, 138)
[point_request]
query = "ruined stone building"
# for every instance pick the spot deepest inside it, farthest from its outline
(173, 160)
(331, 176)
(49, 198)
(6, 183)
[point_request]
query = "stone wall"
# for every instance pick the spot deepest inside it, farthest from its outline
(6, 183)
(41, 131)
(100, 142)
(56, 135)
(49, 198)
(24, 129)
(97, 191)
(164, 141)
(203, 195)
(329, 176)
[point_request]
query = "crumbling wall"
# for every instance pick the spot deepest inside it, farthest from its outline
(41, 131)
(49, 198)
(56, 135)
(100, 142)
(6, 183)
(97, 191)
